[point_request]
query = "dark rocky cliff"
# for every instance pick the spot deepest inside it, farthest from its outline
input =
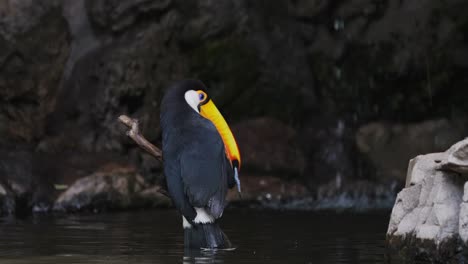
(320, 71)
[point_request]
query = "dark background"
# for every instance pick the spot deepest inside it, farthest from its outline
(326, 98)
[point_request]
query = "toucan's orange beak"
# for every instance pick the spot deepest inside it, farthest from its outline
(209, 111)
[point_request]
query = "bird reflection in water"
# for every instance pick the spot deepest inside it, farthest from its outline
(194, 256)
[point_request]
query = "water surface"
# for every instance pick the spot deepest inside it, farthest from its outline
(156, 237)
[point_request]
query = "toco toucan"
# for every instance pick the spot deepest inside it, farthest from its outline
(201, 161)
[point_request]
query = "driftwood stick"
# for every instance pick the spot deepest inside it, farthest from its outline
(134, 133)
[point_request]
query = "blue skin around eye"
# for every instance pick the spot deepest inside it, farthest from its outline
(201, 96)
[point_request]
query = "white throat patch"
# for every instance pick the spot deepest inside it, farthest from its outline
(192, 99)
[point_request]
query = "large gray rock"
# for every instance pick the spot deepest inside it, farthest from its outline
(457, 158)
(110, 190)
(430, 215)
(463, 222)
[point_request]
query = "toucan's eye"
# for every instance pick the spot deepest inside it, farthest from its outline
(202, 95)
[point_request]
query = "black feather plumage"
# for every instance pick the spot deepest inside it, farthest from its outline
(198, 173)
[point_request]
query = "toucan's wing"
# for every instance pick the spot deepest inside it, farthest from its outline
(204, 169)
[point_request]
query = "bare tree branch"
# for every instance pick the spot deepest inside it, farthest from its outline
(134, 133)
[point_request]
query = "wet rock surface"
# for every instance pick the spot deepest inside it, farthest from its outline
(389, 146)
(30, 72)
(331, 155)
(280, 194)
(317, 73)
(269, 146)
(266, 188)
(429, 218)
(7, 202)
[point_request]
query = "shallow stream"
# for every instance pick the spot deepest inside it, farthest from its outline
(156, 237)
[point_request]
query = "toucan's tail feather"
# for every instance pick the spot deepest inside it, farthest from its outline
(206, 236)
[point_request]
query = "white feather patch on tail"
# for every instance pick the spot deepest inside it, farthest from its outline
(203, 217)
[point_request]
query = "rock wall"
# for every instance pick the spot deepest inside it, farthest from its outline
(389, 146)
(321, 69)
